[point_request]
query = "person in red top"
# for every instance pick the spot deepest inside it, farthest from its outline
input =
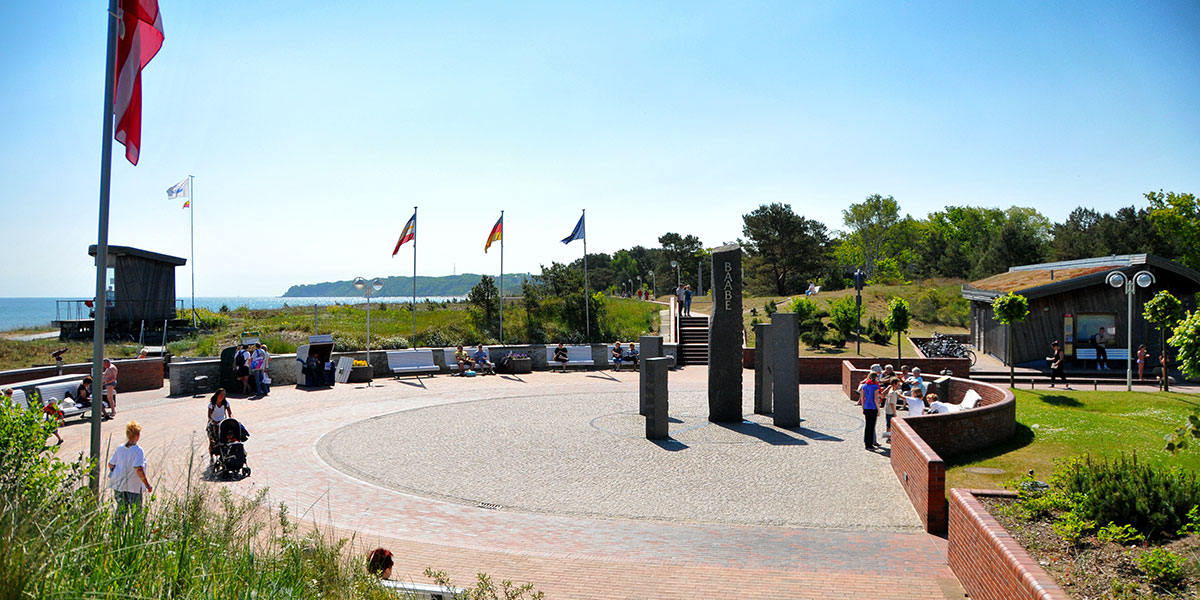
(109, 383)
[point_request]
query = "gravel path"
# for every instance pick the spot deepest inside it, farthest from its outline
(585, 454)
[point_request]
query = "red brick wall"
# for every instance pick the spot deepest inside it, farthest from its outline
(920, 443)
(989, 563)
(922, 474)
(133, 375)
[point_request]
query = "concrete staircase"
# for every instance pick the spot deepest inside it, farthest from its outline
(693, 340)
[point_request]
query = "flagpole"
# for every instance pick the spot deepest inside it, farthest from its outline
(501, 278)
(101, 302)
(192, 218)
(587, 300)
(413, 344)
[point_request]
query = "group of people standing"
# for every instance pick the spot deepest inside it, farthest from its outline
(885, 389)
(250, 363)
(683, 300)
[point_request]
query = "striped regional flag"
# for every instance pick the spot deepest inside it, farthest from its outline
(139, 36)
(409, 233)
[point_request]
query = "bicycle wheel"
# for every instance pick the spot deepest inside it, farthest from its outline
(971, 355)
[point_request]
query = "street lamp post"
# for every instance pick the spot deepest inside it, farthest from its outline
(375, 285)
(1141, 279)
(653, 285)
(639, 277)
(675, 265)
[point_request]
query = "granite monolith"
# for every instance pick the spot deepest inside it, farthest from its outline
(785, 368)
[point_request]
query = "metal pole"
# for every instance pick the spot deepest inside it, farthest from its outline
(1129, 291)
(501, 278)
(413, 343)
(110, 59)
(587, 294)
(700, 277)
(192, 219)
(369, 330)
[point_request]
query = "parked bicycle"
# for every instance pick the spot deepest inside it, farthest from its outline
(944, 346)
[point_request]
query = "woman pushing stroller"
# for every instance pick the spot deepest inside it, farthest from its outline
(218, 410)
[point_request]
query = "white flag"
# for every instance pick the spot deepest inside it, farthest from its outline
(183, 188)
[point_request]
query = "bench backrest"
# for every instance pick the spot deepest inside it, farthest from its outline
(19, 399)
(410, 358)
(1113, 353)
(58, 391)
(575, 354)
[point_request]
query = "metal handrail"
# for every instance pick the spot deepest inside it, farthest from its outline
(79, 310)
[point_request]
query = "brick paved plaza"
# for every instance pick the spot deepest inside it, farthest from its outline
(588, 509)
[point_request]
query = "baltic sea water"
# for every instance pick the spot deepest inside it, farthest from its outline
(18, 313)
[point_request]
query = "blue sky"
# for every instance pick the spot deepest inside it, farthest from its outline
(313, 130)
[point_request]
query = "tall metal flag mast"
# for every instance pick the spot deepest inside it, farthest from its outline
(580, 233)
(410, 233)
(186, 188)
(413, 343)
(497, 235)
(141, 35)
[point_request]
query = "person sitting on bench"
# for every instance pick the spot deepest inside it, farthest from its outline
(560, 356)
(617, 356)
(631, 354)
(482, 364)
(464, 360)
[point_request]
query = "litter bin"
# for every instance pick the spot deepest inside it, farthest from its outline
(941, 387)
(316, 366)
(228, 376)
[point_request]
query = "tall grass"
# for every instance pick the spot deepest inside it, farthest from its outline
(195, 541)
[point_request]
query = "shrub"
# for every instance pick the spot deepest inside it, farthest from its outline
(1071, 527)
(843, 315)
(812, 339)
(1119, 534)
(804, 308)
(835, 338)
(941, 306)
(769, 308)
(877, 332)
(1162, 567)
(1152, 499)
(1193, 522)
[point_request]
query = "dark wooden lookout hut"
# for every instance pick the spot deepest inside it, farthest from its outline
(141, 284)
(140, 293)
(1069, 301)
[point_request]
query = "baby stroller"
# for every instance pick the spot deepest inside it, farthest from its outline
(230, 455)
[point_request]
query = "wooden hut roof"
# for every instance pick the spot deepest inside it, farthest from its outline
(138, 252)
(1052, 278)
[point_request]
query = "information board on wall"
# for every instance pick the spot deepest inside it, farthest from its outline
(1069, 334)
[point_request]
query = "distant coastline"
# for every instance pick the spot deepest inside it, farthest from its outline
(401, 286)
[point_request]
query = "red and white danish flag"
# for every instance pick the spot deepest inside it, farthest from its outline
(139, 36)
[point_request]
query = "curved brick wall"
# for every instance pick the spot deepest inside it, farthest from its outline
(920, 443)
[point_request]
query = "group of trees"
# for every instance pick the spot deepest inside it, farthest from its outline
(787, 250)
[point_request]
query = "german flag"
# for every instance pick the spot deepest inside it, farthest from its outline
(496, 235)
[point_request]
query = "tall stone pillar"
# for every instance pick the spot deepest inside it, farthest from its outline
(785, 366)
(725, 337)
(762, 370)
(657, 421)
(651, 347)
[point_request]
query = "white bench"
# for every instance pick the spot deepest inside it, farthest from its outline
(18, 398)
(411, 362)
(577, 356)
(1121, 354)
(61, 390)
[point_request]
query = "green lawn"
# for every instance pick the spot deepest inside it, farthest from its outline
(1055, 424)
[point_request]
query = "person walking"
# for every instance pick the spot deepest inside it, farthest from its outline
(127, 471)
(218, 410)
(687, 300)
(258, 362)
(241, 365)
(868, 392)
(1056, 365)
(1142, 355)
(108, 382)
(679, 299)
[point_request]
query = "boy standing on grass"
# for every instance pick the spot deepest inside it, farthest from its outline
(127, 471)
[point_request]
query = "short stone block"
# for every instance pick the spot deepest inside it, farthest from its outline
(650, 346)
